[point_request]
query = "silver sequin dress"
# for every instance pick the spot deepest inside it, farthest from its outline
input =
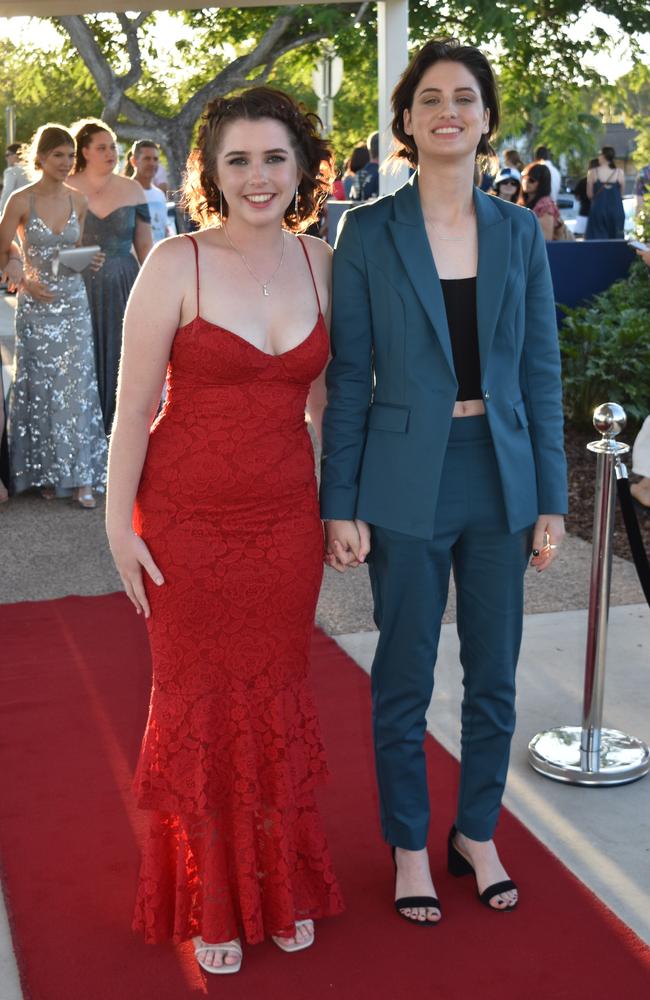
(55, 427)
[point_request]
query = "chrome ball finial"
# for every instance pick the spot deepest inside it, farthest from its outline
(609, 419)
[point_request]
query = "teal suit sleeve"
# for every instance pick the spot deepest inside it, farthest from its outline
(541, 384)
(349, 377)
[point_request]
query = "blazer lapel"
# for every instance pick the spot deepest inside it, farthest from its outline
(412, 245)
(494, 234)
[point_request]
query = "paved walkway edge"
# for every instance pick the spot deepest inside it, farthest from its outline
(9, 978)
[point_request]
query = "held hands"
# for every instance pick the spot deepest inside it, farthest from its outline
(347, 543)
(131, 556)
(547, 539)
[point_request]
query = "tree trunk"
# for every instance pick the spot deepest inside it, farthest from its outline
(176, 145)
(174, 134)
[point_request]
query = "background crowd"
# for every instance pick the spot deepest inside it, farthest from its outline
(63, 193)
(536, 185)
(44, 428)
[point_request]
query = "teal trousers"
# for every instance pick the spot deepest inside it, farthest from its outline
(410, 580)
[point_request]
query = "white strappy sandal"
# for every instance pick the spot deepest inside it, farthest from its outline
(85, 499)
(224, 948)
(281, 942)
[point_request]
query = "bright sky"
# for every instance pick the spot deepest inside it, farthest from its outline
(611, 64)
(617, 61)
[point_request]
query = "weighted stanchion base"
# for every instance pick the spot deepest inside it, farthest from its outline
(557, 754)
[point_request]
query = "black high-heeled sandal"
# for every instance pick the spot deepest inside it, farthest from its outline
(413, 902)
(458, 865)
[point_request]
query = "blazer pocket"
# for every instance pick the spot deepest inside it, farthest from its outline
(520, 413)
(387, 417)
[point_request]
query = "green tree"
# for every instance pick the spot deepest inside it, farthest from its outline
(629, 99)
(133, 95)
(41, 87)
(540, 65)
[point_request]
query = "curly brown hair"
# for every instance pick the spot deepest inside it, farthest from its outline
(201, 195)
(83, 132)
(442, 50)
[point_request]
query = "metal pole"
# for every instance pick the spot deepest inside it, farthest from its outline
(392, 60)
(599, 589)
(592, 755)
(10, 124)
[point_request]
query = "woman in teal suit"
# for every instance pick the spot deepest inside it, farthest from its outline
(443, 450)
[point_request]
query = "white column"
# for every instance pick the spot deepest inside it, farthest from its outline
(392, 58)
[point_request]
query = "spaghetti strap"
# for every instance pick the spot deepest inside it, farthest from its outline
(196, 256)
(304, 250)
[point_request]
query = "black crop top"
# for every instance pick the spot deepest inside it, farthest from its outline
(460, 303)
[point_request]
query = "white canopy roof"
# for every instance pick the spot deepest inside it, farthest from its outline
(52, 8)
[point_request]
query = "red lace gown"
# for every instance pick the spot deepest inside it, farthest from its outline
(232, 750)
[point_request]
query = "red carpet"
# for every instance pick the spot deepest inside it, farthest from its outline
(74, 686)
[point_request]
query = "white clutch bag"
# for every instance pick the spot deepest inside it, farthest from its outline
(75, 259)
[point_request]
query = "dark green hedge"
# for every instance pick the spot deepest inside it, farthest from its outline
(605, 346)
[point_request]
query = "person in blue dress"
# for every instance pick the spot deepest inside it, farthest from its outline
(118, 221)
(605, 189)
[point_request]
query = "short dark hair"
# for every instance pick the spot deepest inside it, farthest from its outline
(136, 148)
(537, 172)
(201, 193)
(610, 155)
(442, 50)
(542, 153)
(359, 157)
(14, 147)
(142, 144)
(513, 157)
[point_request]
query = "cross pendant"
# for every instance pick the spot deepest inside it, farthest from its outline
(265, 290)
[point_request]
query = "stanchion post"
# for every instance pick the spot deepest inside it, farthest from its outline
(599, 590)
(591, 755)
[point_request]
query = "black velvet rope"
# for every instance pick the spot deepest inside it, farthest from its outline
(639, 553)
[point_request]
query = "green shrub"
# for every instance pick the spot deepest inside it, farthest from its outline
(605, 346)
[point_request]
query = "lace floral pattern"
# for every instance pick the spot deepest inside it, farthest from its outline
(232, 751)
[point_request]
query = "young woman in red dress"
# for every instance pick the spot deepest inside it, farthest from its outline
(213, 522)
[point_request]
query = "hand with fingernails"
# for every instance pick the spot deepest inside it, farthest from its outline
(347, 543)
(547, 538)
(131, 556)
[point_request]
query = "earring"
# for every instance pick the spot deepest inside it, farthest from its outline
(220, 203)
(295, 202)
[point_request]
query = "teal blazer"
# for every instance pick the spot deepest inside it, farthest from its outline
(391, 384)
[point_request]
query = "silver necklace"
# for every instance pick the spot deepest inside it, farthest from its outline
(264, 285)
(100, 190)
(446, 239)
